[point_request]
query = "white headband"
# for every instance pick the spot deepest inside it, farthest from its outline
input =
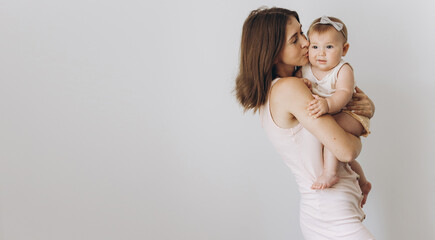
(337, 25)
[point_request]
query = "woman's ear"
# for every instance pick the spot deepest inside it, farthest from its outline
(345, 49)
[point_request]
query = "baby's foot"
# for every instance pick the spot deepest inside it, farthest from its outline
(325, 181)
(365, 188)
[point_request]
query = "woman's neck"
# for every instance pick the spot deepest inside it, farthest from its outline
(284, 70)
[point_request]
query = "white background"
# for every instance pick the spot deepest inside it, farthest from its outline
(118, 121)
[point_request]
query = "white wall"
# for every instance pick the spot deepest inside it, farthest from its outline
(117, 121)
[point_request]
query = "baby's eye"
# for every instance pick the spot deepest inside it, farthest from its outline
(329, 46)
(314, 47)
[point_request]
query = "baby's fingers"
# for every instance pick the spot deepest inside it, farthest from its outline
(318, 114)
(364, 200)
(313, 102)
(313, 112)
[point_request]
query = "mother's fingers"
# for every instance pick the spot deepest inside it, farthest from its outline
(359, 95)
(361, 112)
(358, 90)
(357, 104)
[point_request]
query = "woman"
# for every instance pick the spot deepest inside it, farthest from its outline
(273, 47)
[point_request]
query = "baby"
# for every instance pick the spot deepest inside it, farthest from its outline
(332, 82)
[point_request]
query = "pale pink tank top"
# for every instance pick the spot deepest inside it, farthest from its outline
(299, 149)
(332, 213)
(302, 153)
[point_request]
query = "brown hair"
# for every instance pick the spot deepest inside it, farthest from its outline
(321, 28)
(263, 36)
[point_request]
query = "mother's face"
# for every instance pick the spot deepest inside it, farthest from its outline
(295, 49)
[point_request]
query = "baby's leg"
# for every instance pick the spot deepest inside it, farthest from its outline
(330, 162)
(349, 124)
(329, 175)
(353, 126)
(365, 185)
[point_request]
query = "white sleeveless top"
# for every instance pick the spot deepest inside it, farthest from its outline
(324, 87)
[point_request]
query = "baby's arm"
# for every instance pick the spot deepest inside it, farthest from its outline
(344, 90)
(343, 94)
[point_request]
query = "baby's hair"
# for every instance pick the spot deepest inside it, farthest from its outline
(321, 28)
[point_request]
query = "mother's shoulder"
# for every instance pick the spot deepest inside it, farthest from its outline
(289, 84)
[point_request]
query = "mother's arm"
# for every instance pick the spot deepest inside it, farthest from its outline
(294, 96)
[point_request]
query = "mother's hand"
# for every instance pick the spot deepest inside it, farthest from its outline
(361, 104)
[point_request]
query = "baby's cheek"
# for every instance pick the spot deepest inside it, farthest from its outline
(311, 57)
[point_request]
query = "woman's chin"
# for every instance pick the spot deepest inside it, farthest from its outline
(304, 61)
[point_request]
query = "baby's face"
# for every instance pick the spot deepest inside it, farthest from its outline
(326, 49)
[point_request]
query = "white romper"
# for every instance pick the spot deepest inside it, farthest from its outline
(332, 213)
(325, 87)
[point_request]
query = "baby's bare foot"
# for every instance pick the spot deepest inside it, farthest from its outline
(325, 181)
(365, 189)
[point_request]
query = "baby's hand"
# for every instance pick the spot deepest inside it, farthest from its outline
(318, 107)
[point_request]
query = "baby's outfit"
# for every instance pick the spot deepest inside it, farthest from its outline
(326, 88)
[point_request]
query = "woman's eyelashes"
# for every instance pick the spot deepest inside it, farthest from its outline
(295, 39)
(301, 35)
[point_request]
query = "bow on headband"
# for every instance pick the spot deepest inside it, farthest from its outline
(337, 25)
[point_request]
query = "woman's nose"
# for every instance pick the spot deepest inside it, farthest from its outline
(304, 42)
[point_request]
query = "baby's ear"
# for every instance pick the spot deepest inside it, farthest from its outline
(345, 49)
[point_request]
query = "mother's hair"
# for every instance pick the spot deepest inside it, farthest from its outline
(263, 36)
